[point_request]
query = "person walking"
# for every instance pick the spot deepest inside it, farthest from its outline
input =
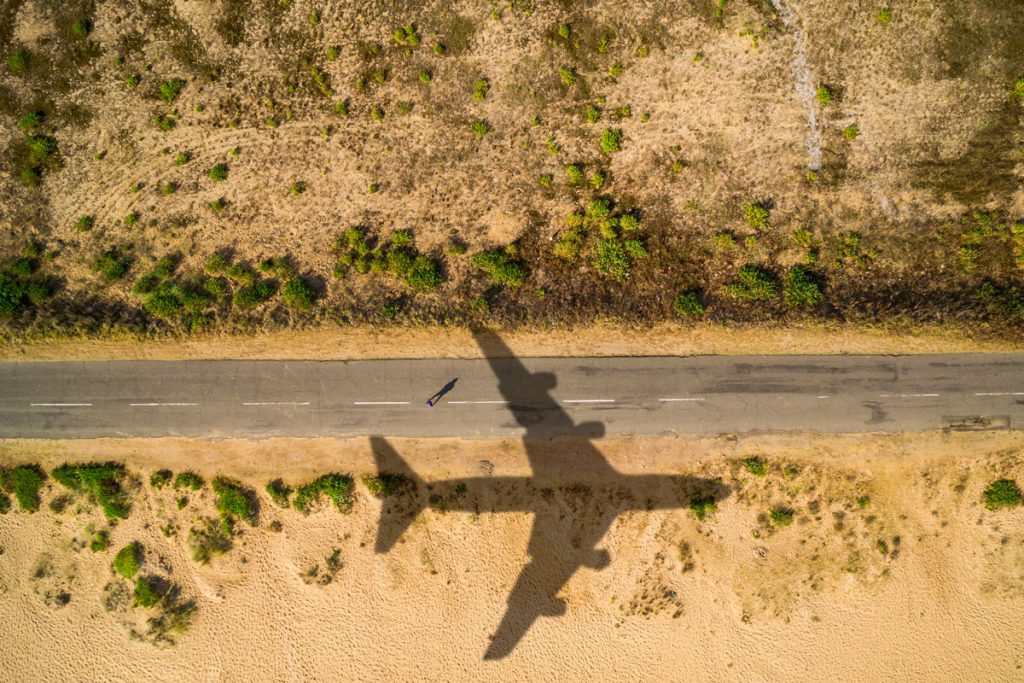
(441, 392)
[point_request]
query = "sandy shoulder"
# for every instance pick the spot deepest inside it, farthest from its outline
(918, 581)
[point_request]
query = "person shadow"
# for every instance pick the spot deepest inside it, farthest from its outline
(573, 492)
(441, 392)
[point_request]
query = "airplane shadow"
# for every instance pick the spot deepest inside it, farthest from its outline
(574, 494)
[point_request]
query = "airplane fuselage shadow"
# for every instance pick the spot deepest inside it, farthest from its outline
(574, 494)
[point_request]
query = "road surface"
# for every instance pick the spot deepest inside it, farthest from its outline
(620, 396)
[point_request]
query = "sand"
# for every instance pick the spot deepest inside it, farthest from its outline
(730, 598)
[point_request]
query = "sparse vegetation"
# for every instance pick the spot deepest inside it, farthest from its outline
(279, 492)
(755, 466)
(687, 305)
(702, 507)
(23, 482)
(160, 478)
(336, 487)
(753, 283)
(188, 480)
(1002, 493)
(234, 501)
(128, 560)
(101, 482)
(781, 516)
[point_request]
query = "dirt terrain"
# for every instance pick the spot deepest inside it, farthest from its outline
(888, 565)
(141, 137)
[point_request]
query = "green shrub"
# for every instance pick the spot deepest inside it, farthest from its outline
(1002, 493)
(755, 466)
(611, 140)
(568, 75)
(216, 263)
(425, 275)
(481, 88)
(481, 128)
(564, 31)
(756, 215)
(254, 295)
(145, 593)
(207, 539)
(12, 295)
(279, 492)
(30, 121)
(341, 108)
(234, 501)
(219, 172)
(168, 187)
(17, 62)
(169, 90)
(131, 219)
(570, 243)
(574, 173)
(703, 507)
(781, 515)
(128, 560)
(297, 294)
(85, 223)
(133, 81)
(296, 188)
(37, 293)
(337, 488)
(406, 35)
(333, 52)
(102, 483)
(884, 16)
(425, 77)
(824, 95)
(164, 122)
(851, 131)
(188, 480)
(377, 113)
(800, 290)
(5, 504)
(545, 179)
(160, 478)
(386, 485)
(24, 482)
(502, 268)
(100, 541)
(687, 305)
(110, 265)
(753, 283)
(611, 258)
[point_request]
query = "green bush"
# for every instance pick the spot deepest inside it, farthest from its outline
(481, 88)
(568, 75)
(279, 492)
(297, 294)
(406, 35)
(188, 480)
(219, 172)
(216, 263)
(160, 478)
(687, 305)
(481, 128)
(337, 488)
(755, 466)
(100, 541)
(574, 173)
(17, 62)
(164, 122)
(169, 90)
(128, 560)
(24, 482)
(85, 223)
(611, 140)
(800, 290)
(611, 258)
(5, 504)
(756, 215)
(145, 593)
(250, 297)
(703, 507)
(425, 275)
(110, 265)
(1018, 88)
(851, 131)
(386, 485)
(502, 268)
(341, 108)
(824, 95)
(884, 16)
(12, 295)
(101, 481)
(234, 501)
(131, 219)
(30, 120)
(1002, 493)
(781, 515)
(753, 283)
(207, 539)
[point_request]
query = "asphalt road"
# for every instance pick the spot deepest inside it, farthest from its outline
(615, 396)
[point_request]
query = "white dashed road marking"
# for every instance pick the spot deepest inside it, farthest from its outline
(280, 403)
(150, 405)
(1002, 393)
(678, 400)
(907, 395)
(589, 400)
